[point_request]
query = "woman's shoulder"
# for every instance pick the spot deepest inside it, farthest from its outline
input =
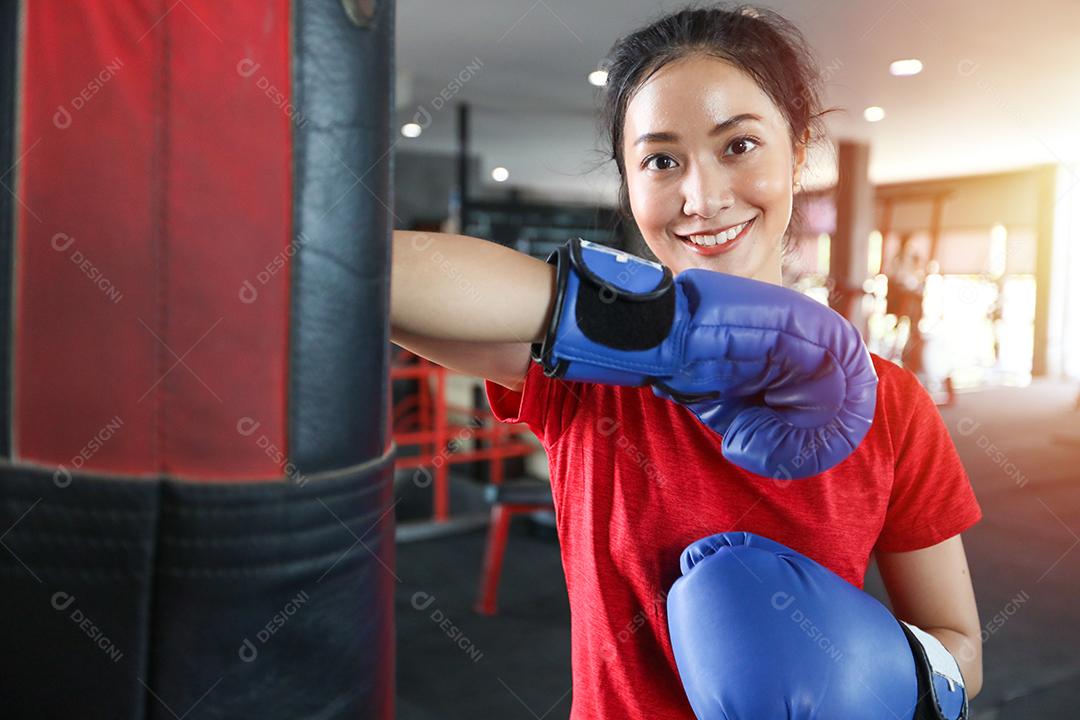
(893, 376)
(900, 393)
(887, 371)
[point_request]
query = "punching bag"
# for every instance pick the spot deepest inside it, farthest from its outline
(196, 512)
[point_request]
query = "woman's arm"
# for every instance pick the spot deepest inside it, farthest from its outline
(455, 287)
(502, 363)
(931, 588)
(469, 304)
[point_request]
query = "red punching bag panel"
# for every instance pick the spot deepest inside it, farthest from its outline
(153, 238)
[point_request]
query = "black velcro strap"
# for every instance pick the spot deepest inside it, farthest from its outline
(626, 318)
(616, 320)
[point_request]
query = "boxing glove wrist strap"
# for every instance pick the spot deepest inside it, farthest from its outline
(942, 695)
(610, 310)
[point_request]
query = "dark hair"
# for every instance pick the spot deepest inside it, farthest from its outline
(760, 42)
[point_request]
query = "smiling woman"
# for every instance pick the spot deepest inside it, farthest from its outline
(711, 185)
(709, 114)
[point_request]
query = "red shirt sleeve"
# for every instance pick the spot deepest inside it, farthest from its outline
(932, 498)
(546, 405)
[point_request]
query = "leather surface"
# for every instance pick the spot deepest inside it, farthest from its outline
(342, 161)
(760, 631)
(158, 599)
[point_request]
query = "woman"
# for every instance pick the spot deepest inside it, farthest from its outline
(709, 115)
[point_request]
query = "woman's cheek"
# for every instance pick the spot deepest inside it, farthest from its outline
(774, 183)
(649, 205)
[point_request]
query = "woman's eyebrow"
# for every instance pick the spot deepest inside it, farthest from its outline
(719, 128)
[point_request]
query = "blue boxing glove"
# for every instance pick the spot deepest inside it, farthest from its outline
(761, 632)
(786, 381)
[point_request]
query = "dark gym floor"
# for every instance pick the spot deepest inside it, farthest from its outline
(1022, 450)
(454, 663)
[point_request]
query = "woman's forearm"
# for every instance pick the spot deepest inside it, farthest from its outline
(456, 287)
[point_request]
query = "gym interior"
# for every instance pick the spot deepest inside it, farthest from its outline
(298, 423)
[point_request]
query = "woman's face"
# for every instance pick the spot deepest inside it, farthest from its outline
(694, 182)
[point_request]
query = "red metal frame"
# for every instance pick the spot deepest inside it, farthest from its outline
(423, 420)
(431, 430)
(498, 531)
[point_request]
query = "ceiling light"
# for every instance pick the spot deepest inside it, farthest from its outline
(902, 68)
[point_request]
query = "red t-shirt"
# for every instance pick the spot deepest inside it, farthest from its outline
(637, 478)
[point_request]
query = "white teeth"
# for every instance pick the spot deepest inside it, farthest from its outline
(720, 239)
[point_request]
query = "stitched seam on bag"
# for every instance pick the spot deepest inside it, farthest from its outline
(55, 508)
(62, 539)
(338, 556)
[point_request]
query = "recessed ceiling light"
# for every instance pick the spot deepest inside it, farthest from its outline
(874, 113)
(411, 130)
(901, 68)
(598, 78)
(500, 174)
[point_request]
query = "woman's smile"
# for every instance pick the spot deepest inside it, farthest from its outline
(709, 245)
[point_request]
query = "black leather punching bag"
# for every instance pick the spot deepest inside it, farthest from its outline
(196, 513)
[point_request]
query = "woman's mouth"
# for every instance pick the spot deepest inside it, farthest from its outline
(709, 245)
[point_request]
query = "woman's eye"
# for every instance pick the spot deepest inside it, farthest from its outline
(742, 141)
(650, 160)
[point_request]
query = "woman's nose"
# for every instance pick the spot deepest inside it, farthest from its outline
(707, 191)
